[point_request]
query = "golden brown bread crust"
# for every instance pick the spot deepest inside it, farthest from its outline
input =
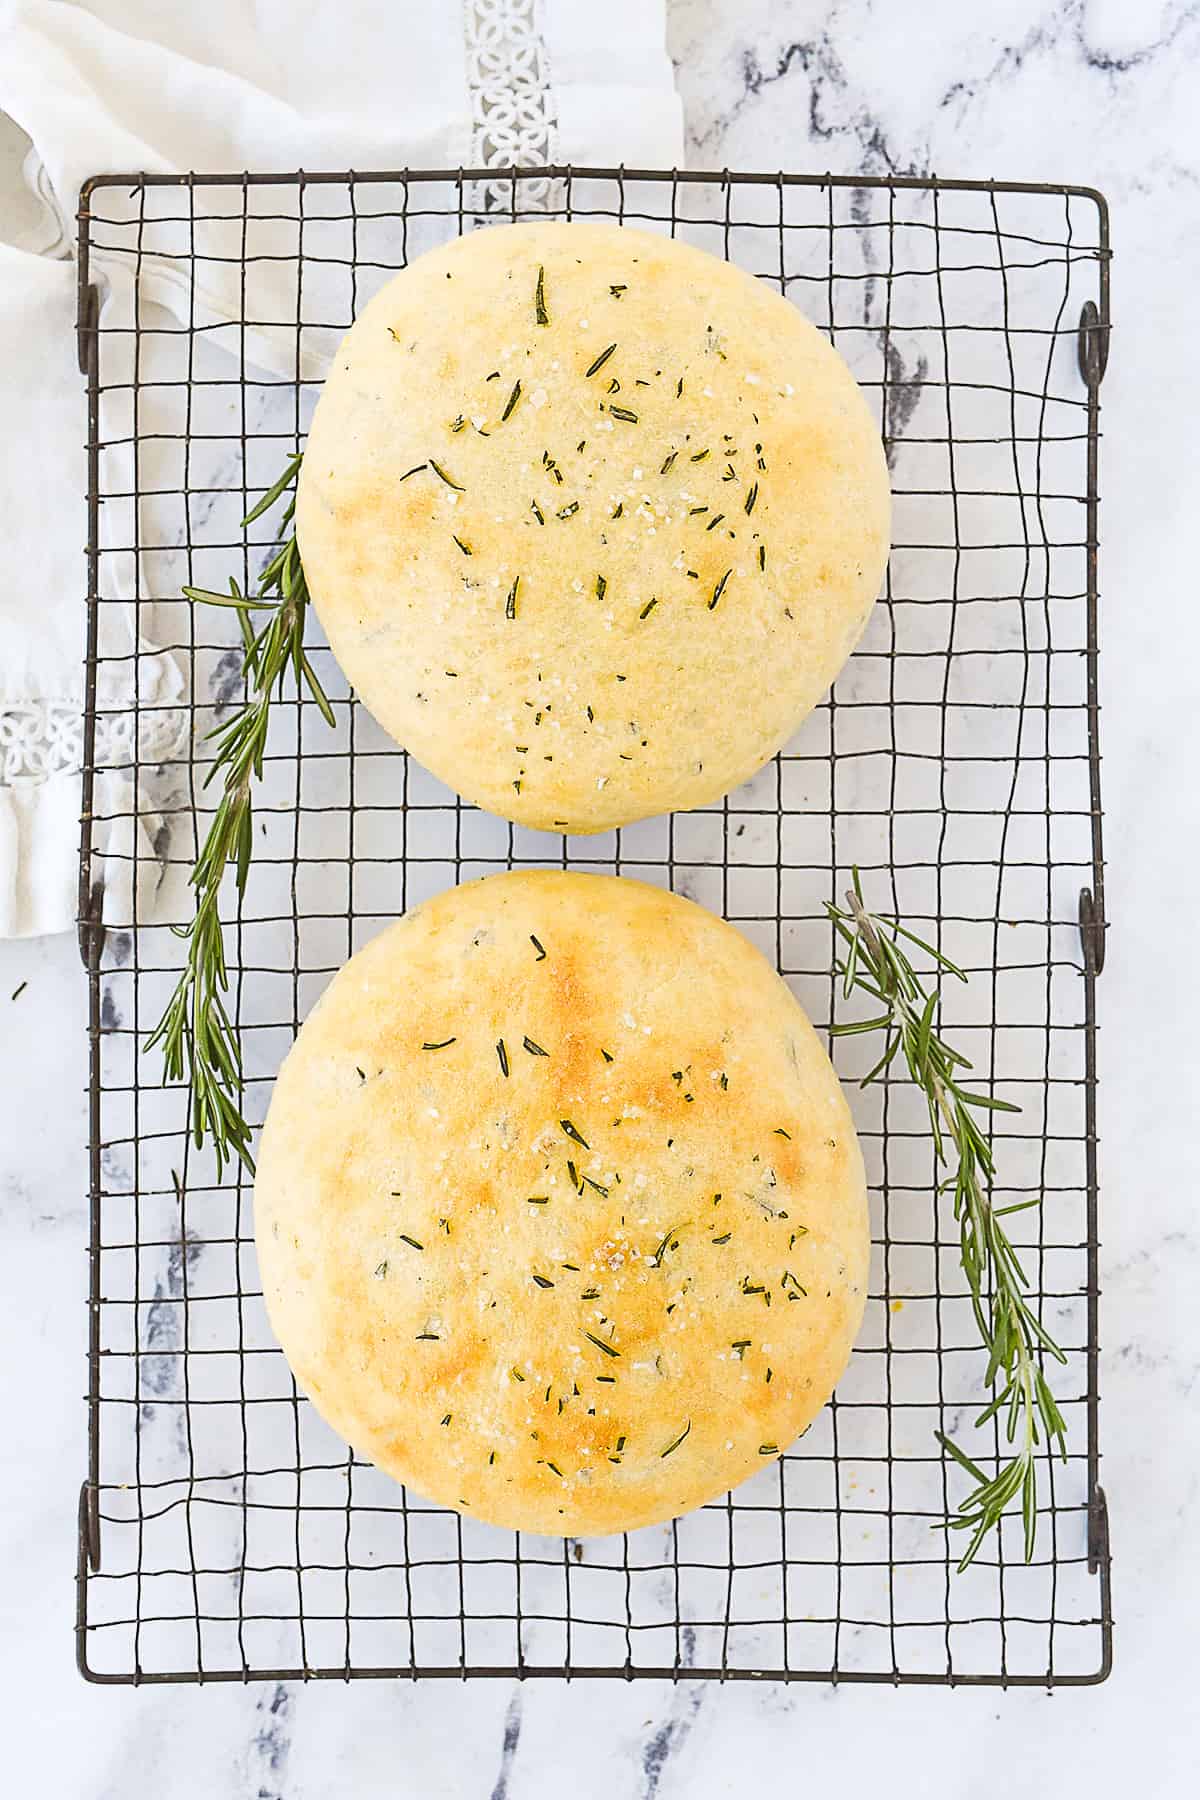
(622, 597)
(563, 1293)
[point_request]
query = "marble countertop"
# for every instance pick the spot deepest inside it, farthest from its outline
(1098, 93)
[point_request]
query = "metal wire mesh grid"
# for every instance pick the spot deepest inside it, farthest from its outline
(225, 1533)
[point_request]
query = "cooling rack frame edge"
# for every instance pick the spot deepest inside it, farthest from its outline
(1093, 336)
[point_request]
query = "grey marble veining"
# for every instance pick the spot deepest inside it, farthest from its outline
(1099, 93)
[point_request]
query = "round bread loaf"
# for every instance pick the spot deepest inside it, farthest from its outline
(560, 1213)
(591, 518)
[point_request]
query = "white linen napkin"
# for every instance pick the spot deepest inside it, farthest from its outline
(230, 85)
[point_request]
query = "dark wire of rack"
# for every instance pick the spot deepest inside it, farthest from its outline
(225, 1534)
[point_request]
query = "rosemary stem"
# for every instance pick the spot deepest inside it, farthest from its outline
(1013, 1336)
(199, 1040)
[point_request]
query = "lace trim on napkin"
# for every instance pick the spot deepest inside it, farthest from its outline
(39, 738)
(43, 738)
(512, 103)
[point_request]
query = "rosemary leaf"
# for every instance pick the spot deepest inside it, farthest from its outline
(448, 479)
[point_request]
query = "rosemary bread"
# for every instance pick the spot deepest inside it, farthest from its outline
(591, 518)
(560, 1213)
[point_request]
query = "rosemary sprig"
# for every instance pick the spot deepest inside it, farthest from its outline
(199, 1040)
(877, 964)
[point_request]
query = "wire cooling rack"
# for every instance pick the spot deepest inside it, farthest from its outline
(225, 1533)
